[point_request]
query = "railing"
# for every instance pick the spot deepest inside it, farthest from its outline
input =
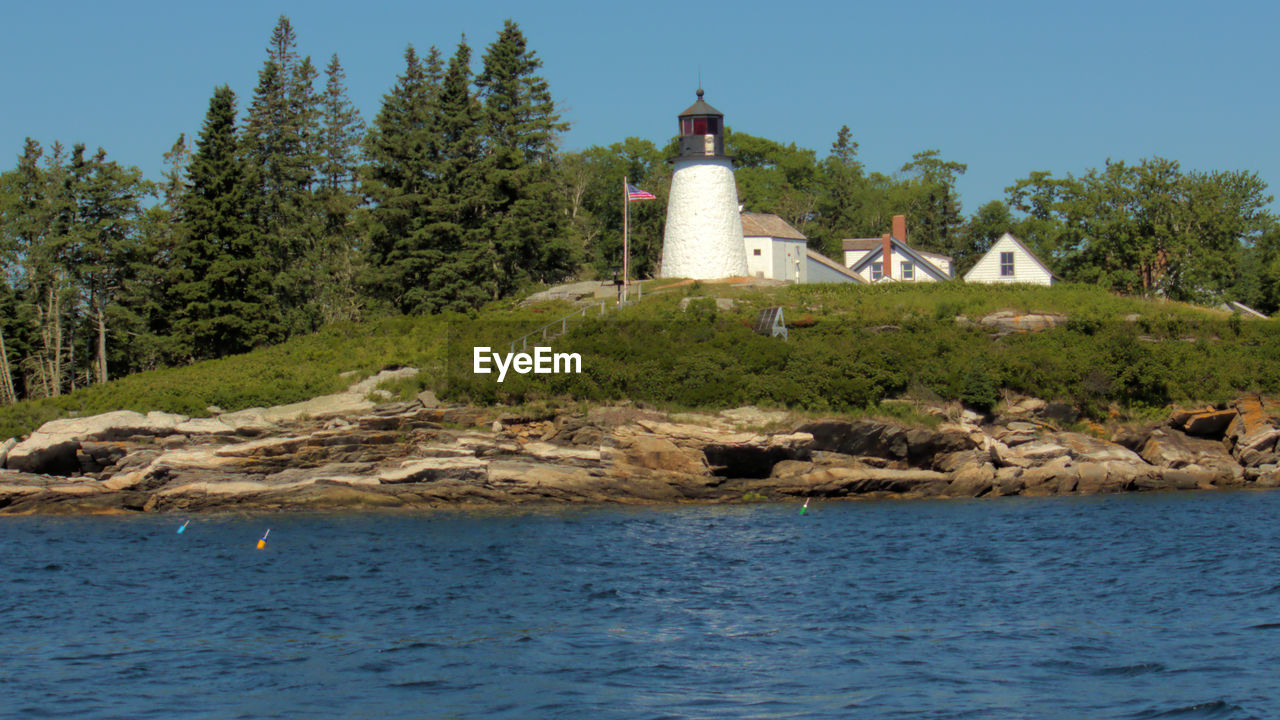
(562, 322)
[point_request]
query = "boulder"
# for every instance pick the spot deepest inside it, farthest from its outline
(1252, 436)
(656, 453)
(788, 469)
(1206, 423)
(953, 462)
(5, 447)
(1008, 481)
(1010, 321)
(842, 481)
(880, 438)
(1035, 452)
(1084, 448)
(972, 481)
(1171, 449)
(52, 448)
(1258, 448)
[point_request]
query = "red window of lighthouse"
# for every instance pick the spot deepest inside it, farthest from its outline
(699, 125)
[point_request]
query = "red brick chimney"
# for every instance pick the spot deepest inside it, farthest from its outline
(884, 241)
(900, 228)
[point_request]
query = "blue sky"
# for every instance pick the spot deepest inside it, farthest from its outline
(1006, 87)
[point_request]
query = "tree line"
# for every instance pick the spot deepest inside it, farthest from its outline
(297, 214)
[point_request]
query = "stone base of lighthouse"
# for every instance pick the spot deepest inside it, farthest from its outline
(703, 238)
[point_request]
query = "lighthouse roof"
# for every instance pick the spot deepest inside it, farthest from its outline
(701, 108)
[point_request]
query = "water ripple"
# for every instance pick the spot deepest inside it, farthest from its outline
(1117, 607)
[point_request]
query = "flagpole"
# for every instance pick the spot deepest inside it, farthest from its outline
(626, 223)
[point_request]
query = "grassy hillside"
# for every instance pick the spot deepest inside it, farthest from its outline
(849, 348)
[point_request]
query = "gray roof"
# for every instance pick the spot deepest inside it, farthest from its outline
(701, 108)
(768, 225)
(859, 244)
(824, 260)
(933, 255)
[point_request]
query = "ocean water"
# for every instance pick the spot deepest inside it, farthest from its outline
(1132, 606)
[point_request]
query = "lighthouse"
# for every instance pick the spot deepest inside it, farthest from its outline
(703, 238)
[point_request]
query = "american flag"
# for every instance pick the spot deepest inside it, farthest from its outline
(634, 193)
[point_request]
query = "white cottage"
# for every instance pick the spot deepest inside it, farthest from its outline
(778, 251)
(775, 250)
(890, 258)
(1009, 261)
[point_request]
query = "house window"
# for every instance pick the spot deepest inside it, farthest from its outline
(1006, 264)
(756, 251)
(877, 271)
(908, 270)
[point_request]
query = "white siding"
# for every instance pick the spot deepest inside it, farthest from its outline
(896, 260)
(1026, 269)
(938, 262)
(760, 265)
(703, 237)
(777, 258)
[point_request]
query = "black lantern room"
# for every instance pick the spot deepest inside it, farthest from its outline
(701, 131)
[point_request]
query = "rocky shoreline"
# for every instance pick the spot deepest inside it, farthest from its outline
(343, 451)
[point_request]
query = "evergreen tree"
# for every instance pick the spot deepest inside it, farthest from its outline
(222, 283)
(107, 203)
(339, 150)
(341, 134)
(175, 173)
(282, 138)
(46, 212)
(933, 204)
(841, 199)
(401, 149)
(467, 268)
(524, 220)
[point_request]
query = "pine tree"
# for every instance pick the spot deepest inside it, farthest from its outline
(106, 202)
(282, 140)
(841, 200)
(467, 272)
(338, 148)
(43, 236)
(401, 148)
(222, 283)
(175, 173)
(341, 134)
(524, 221)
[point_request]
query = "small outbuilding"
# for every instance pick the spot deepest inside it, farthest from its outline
(778, 251)
(775, 249)
(1009, 261)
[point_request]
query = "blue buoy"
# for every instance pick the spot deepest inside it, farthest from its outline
(184, 527)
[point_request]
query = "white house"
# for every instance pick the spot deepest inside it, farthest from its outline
(1009, 261)
(778, 251)
(890, 258)
(775, 250)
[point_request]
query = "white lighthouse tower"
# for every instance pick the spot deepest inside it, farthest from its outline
(703, 238)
